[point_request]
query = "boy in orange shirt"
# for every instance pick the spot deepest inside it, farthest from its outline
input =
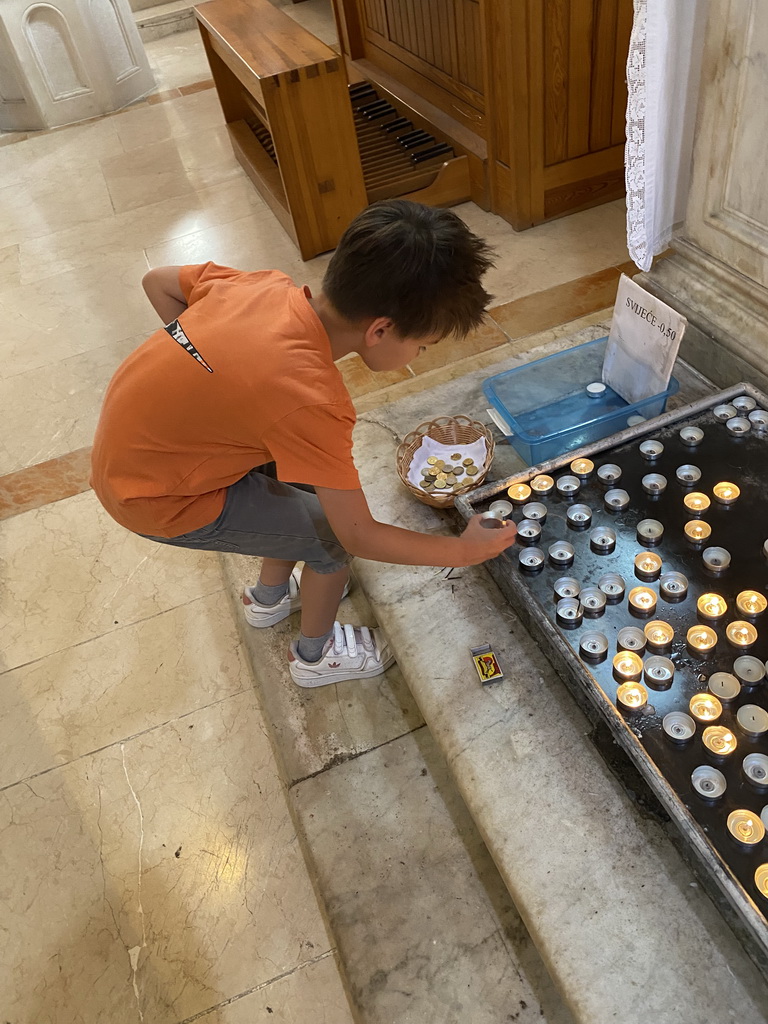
(230, 429)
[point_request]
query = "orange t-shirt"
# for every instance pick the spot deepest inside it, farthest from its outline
(245, 376)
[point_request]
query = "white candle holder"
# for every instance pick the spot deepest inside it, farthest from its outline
(748, 670)
(651, 450)
(673, 586)
(502, 507)
(691, 436)
(593, 646)
(752, 719)
(630, 638)
(743, 404)
(658, 635)
(569, 613)
(650, 532)
(561, 553)
(724, 686)
(759, 420)
(531, 560)
(654, 484)
(567, 586)
(535, 511)
(658, 672)
(755, 767)
(723, 413)
(568, 486)
(602, 540)
(613, 586)
(579, 517)
(609, 474)
(678, 726)
(708, 782)
(528, 532)
(739, 426)
(717, 560)
(688, 475)
(616, 500)
(593, 602)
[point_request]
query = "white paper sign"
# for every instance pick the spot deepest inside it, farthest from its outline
(643, 343)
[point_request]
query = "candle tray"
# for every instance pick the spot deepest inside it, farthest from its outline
(725, 866)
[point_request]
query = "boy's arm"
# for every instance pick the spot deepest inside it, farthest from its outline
(164, 292)
(360, 534)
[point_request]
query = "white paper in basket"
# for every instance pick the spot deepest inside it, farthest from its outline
(477, 451)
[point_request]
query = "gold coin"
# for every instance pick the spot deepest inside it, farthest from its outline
(468, 462)
(472, 470)
(450, 479)
(432, 460)
(440, 481)
(428, 487)
(456, 456)
(457, 486)
(433, 471)
(458, 470)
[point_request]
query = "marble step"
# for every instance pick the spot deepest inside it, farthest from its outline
(424, 927)
(159, 20)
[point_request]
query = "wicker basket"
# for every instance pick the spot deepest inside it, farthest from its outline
(447, 430)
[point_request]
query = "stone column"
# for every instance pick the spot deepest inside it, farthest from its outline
(718, 273)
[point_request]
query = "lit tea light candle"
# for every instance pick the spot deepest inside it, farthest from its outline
(688, 475)
(519, 493)
(718, 740)
(673, 586)
(708, 782)
(712, 606)
(761, 880)
(751, 604)
(528, 532)
(691, 436)
(542, 484)
(650, 531)
(654, 484)
(535, 511)
(705, 707)
(616, 500)
(752, 719)
(602, 540)
(582, 468)
(613, 586)
(628, 666)
(696, 502)
(748, 670)
(678, 726)
(740, 634)
(726, 493)
(738, 426)
(745, 827)
(659, 672)
(744, 404)
(716, 559)
(609, 474)
(723, 413)
(726, 687)
(630, 638)
(642, 601)
(632, 696)
(755, 767)
(701, 639)
(697, 531)
(647, 565)
(568, 485)
(651, 450)
(659, 634)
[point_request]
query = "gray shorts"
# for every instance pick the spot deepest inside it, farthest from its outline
(263, 516)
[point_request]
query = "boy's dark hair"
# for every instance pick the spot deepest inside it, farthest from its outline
(418, 265)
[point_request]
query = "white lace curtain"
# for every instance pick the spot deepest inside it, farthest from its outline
(663, 81)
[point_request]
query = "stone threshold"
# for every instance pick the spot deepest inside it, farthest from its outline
(616, 917)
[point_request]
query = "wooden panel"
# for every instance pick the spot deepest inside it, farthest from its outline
(587, 166)
(579, 76)
(582, 194)
(604, 57)
(556, 41)
(624, 18)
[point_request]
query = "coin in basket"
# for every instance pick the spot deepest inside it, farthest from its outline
(440, 480)
(458, 470)
(433, 471)
(472, 470)
(432, 460)
(450, 479)
(468, 462)
(427, 487)
(456, 456)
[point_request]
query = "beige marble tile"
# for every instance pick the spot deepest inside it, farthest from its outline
(66, 314)
(60, 155)
(93, 694)
(174, 167)
(312, 994)
(10, 265)
(66, 400)
(71, 574)
(551, 253)
(154, 879)
(146, 124)
(132, 231)
(178, 59)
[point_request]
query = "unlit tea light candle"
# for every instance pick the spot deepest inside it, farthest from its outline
(632, 696)
(726, 493)
(701, 639)
(691, 436)
(748, 670)
(719, 740)
(642, 600)
(568, 485)
(750, 603)
(609, 474)
(741, 634)
(705, 707)
(746, 827)
(716, 559)
(628, 666)
(723, 413)
(678, 726)
(688, 475)
(650, 531)
(712, 606)
(696, 502)
(708, 782)
(651, 450)
(724, 685)
(752, 719)
(654, 483)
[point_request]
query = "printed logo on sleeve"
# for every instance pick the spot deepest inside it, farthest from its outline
(176, 331)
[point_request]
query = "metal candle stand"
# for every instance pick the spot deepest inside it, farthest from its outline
(667, 760)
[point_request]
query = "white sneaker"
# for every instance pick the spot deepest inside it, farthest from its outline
(262, 615)
(353, 652)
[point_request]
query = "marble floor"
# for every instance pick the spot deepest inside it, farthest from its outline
(149, 866)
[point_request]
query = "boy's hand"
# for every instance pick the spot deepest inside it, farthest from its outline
(482, 544)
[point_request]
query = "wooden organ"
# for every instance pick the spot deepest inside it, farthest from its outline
(516, 104)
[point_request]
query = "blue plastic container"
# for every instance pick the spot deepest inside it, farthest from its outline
(548, 411)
